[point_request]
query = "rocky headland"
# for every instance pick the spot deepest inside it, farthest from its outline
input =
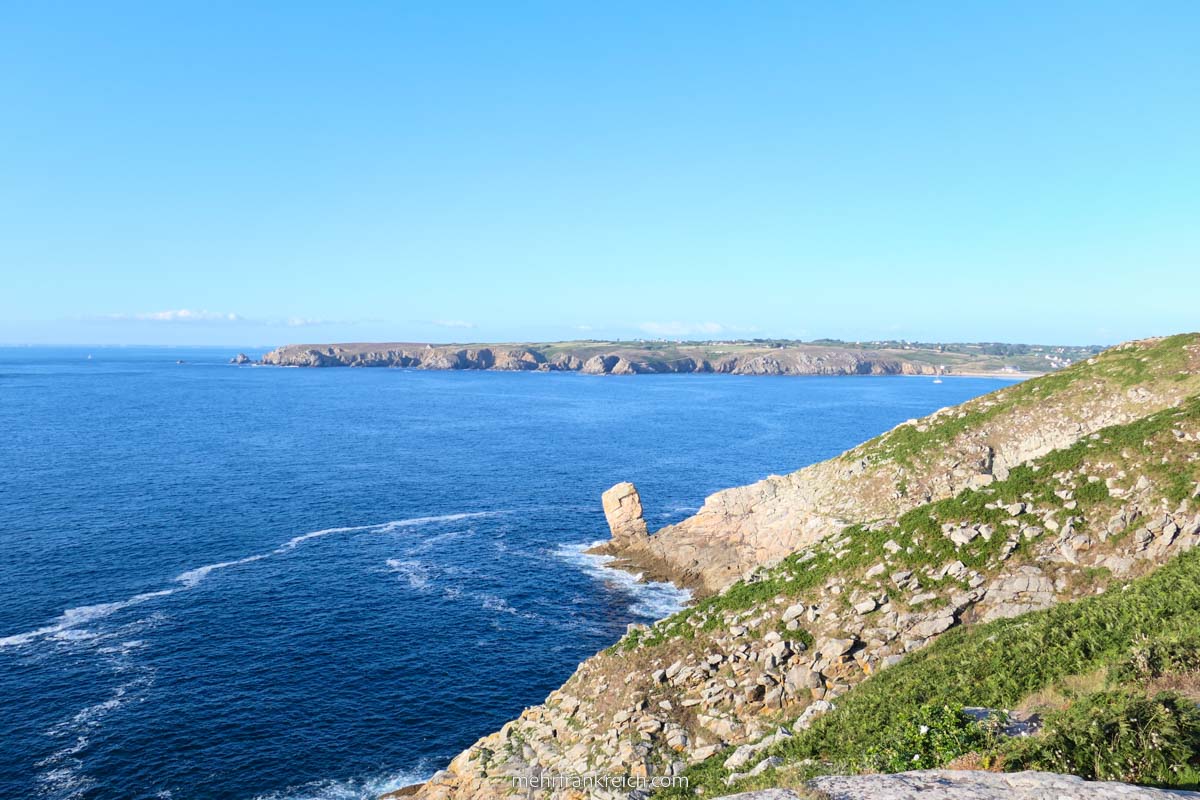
(1004, 585)
(636, 358)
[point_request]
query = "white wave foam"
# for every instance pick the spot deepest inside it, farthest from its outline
(62, 775)
(295, 541)
(64, 627)
(491, 602)
(65, 782)
(648, 599)
(74, 617)
(352, 789)
(416, 573)
(192, 577)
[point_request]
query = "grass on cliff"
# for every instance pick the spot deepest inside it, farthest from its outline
(1147, 446)
(1123, 367)
(909, 716)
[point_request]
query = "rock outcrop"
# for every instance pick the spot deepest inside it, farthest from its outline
(918, 462)
(751, 667)
(241, 358)
(623, 510)
(744, 358)
(971, 785)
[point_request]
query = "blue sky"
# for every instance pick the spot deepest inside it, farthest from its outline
(214, 173)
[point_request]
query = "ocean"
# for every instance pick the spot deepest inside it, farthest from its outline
(253, 583)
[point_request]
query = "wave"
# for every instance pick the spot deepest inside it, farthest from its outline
(416, 573)
(66, 625)
(422, 577)
(192, 577)
(62, 775)
(648, 599)
(72, 618)
(386, 527)
(354, 788)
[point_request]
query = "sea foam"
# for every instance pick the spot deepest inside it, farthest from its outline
(74, 618)
(354, 788)
(648, 599)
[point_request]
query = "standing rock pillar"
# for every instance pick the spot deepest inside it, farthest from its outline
(623, 510)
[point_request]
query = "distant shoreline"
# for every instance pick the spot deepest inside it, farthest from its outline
(754, 357)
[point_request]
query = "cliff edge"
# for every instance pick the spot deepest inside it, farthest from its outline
(990, 585)
(733, 358)
(918, 462)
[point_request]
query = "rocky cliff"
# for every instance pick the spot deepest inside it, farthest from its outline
(967, 446)
(1051, 492)
(631, 358)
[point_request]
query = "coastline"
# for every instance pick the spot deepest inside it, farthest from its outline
(754, 357)
(705, 695)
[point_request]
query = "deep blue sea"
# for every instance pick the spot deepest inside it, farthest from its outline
(249, 582)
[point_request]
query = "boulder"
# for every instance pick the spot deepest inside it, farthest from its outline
(623, 510)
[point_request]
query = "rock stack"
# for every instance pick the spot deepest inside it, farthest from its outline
(623, 510)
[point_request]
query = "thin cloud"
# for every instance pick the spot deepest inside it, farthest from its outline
(178, 315)
(452, 323)
(308, 322)
(187, 315)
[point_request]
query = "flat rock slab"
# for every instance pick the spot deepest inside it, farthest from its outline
(973, 785)
(763, 794)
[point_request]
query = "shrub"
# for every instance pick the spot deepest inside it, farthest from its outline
(1150, 658)
(925, 737)
(1116, 735)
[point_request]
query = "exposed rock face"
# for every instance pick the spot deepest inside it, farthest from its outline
(623, 510)
(794, 360)
(241, 358)
(742, 528)
(750, 680)
(974, 785)
(729, 675)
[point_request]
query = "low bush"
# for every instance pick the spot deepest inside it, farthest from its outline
(1117, 735)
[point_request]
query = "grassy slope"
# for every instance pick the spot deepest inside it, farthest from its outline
(877, 724)
(1147, 446)
(1144, 631)
(1123, 367)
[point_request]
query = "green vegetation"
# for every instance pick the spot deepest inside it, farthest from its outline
(1117, 734)
(926, 736)
(910, 714)
(1166, 359)
(1122, 668)
(1148, 444)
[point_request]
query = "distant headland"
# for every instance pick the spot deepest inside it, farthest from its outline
(738, 357)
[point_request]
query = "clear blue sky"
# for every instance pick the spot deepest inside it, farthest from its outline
(214, 173)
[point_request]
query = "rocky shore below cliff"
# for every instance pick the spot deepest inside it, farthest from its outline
(958, 560)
